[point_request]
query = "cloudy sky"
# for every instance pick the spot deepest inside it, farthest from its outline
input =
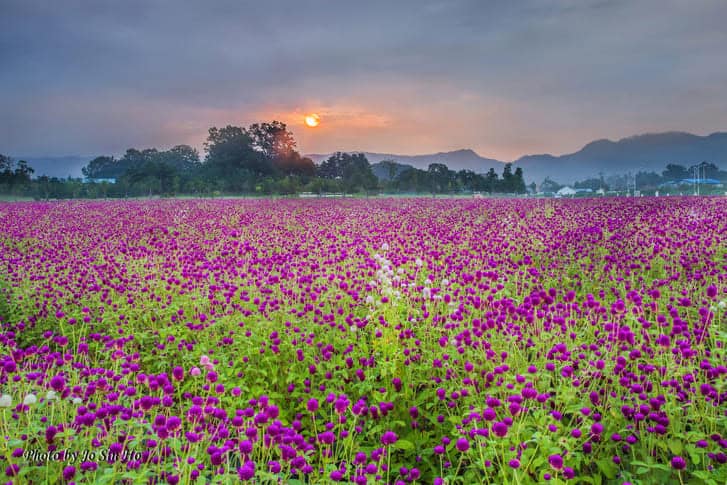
(505, 78)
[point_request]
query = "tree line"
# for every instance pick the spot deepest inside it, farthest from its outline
(643, 180)
(261, 159)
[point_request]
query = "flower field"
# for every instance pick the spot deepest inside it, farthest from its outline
(364, 341)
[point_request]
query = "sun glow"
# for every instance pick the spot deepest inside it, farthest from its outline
(312, 120)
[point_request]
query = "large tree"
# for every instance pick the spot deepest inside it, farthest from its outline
(518, 182)
(492, 181)
(272, 139)
(440, 177)
(508, 179)
(6, 163)
(232, 149)
(675, 171)
(101, 167)
(353, 170)
(181, 157)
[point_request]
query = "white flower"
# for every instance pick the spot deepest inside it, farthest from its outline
(50, 395)
(385, 247)
(76, 400)
(419, 262)
(400, 271)
(722, 304)
(30, 399)
(445, 282)
(369, 299)
(353, 328)
(427, 282)
(426, 293)
(6, 401)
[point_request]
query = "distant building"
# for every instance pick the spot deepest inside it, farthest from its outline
(109, 180)
(566, 192)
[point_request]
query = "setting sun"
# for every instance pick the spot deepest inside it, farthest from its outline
(312, 120)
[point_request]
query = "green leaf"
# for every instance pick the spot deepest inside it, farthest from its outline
(607, 467)
(404, 445)
(675, 446)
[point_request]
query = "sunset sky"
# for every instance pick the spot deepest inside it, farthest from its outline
(505, 78)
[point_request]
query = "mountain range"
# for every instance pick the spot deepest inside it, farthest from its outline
(649, 152)
(61, 167)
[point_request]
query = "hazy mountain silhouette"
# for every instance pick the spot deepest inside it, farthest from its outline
(648, 153)
(60, 167)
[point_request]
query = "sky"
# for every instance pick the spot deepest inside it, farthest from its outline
(505, 78)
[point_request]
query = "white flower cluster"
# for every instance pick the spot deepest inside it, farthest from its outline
(30, 399)
(386, 279)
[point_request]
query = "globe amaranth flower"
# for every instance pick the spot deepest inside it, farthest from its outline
(678, 463)
(389, 438)
(462, 444)
(556, 461)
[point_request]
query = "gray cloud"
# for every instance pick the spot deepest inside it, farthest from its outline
(502, 77)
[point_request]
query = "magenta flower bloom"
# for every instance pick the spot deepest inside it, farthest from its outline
(57, 383)
(500, 429)
(462, 444)
(556, 461)
(678, 463)
(389, 438)
(178, 373)
(246, 471)
(69, 472)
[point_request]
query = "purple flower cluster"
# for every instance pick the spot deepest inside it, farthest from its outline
(399, 341)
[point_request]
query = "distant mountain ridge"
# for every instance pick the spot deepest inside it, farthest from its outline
(60, 166)
(647, 152)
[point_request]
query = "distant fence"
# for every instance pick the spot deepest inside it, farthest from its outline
(328, 195)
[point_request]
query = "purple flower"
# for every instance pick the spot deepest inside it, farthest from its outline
(69, 472)
(57, 383)
(246, 471)
(462, 444)
(500, 429)
(678, 463)
(178, 373)
(556, 461)
(389, 438)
